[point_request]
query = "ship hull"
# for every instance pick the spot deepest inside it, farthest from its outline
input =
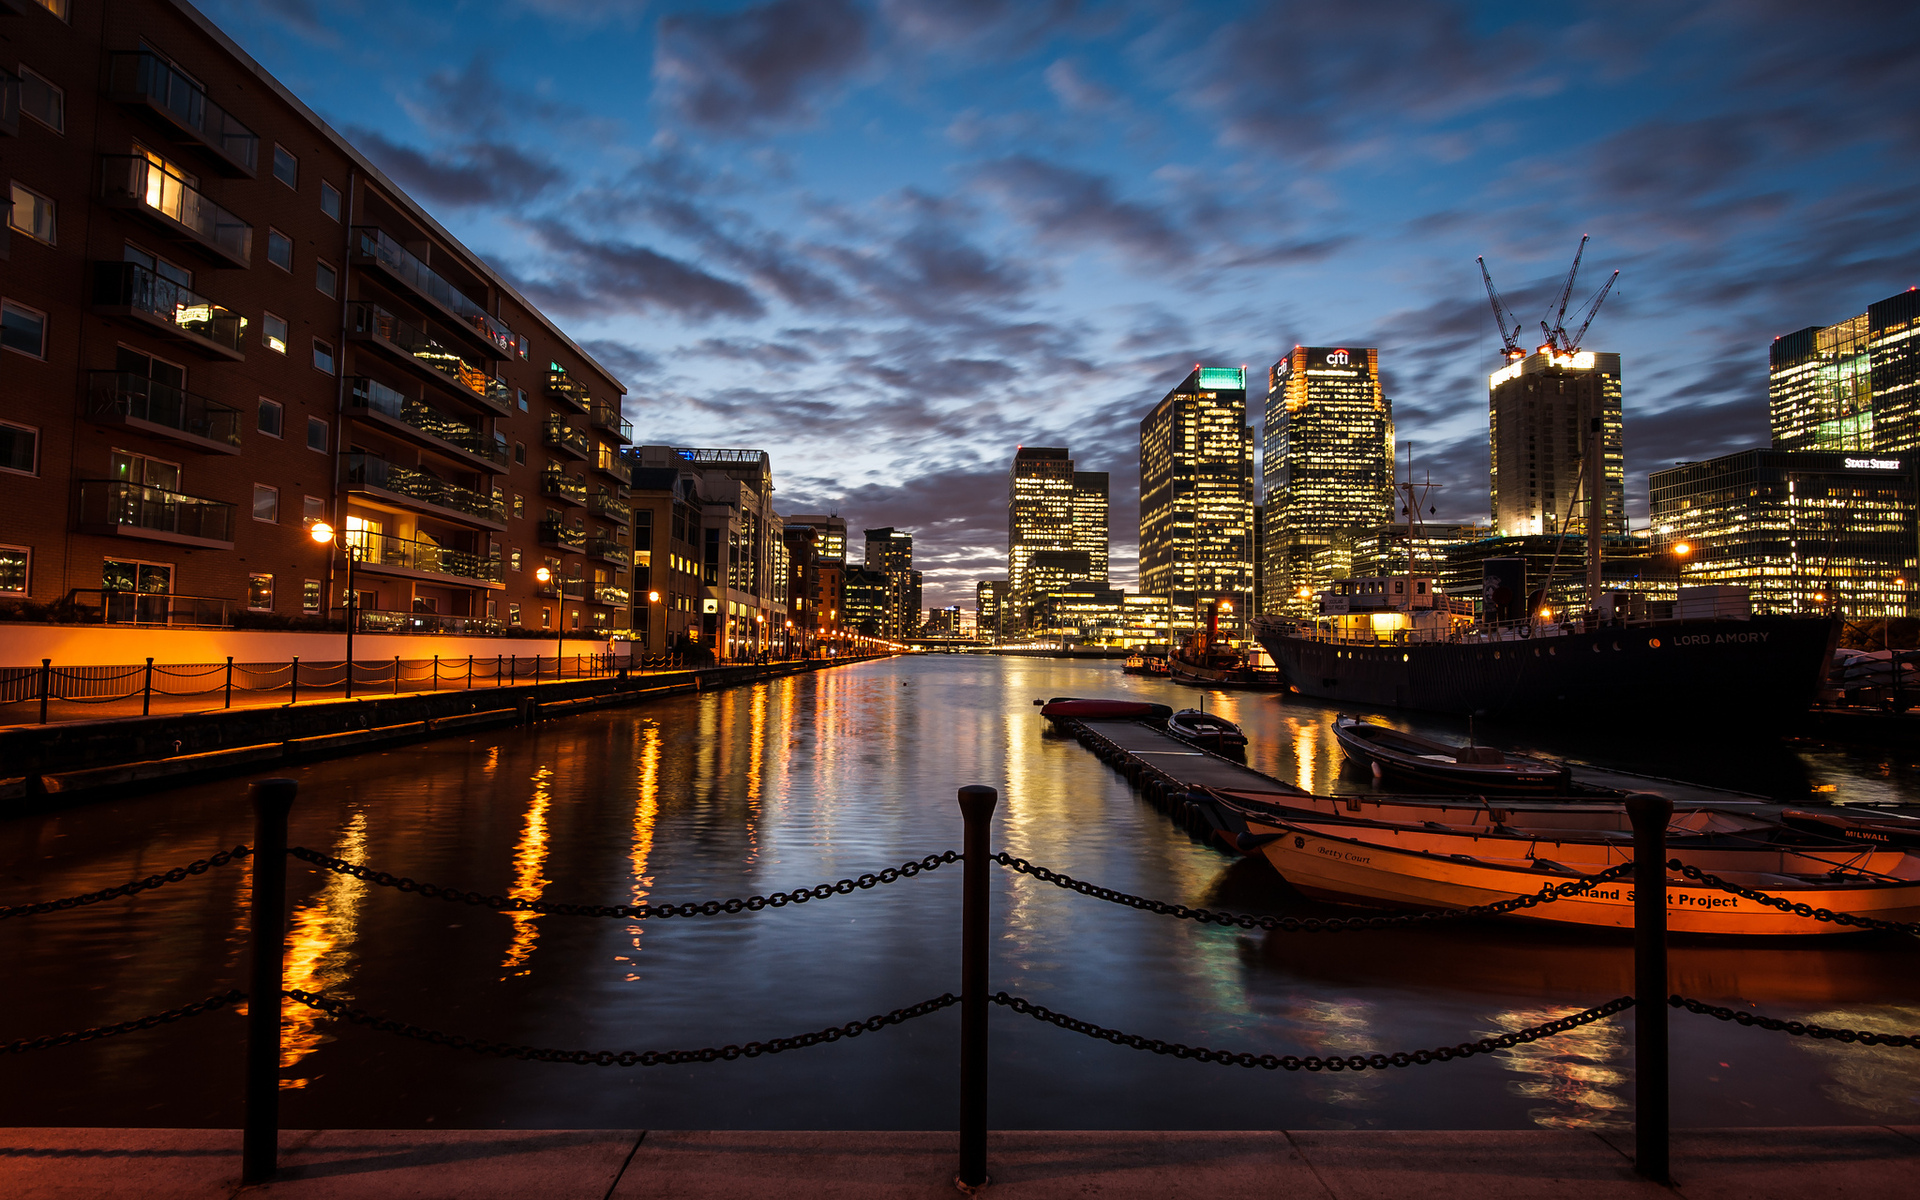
(1757, 668)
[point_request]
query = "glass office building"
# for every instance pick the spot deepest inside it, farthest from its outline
(1538, 414)
(1854, 386)
(1196, 498)
(1051, 509)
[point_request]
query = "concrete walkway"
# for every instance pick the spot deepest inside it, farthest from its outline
(1835, 1163)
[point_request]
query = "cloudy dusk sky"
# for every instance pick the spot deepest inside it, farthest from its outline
(888, 242)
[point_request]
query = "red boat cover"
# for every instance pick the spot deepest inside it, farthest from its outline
(1109, 709)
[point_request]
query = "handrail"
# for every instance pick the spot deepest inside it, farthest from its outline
(374, 396)
(117, 502)
(141, 398)
(130, 285)
(140, 181)
(371, 320)
(145, 76)
(375, 243)
(370, 470)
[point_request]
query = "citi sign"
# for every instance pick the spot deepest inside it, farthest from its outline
(1337, 359)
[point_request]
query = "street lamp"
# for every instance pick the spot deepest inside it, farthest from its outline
(323, 534)
(545, 577)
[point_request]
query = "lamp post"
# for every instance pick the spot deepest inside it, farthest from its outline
(546, 577)
(653, 619)
(324, 535)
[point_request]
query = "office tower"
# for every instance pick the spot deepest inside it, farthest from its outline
(1327, 464)
(1540, 412)
(1852, 386)
(890, 552)
(1090, 532)
(1802, 530)
(831, 537)
(989, 602)
(1041, 510)
(222, 325)
(1196, 498)
(867, 597)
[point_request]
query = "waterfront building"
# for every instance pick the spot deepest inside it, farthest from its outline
(1853, 386)
(1052, 507)
(1095, 614)
(989, 603)
(1540, 411)
(890, 552)
(1196, 498)
(1556, 566)
(667, 589)
(1803, 531)
(1382, 550)
(1326, 466)
(943, 622)
(831, 536)
(800, 542)
(222, 324)
(867, 599)
(739, 550)
(1091, 531)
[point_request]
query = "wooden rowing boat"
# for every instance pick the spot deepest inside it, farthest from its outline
(1407, 756)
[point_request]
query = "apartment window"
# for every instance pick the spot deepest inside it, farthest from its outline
(271, 418)
(273, 331)
(260, 593)
(279, 249)
(286, 168)
(312, 508)
(23, 329)
(493, 609)
(323, 356)
(523, 398)
(546, 618)
(15, 567)
(519, 505)
(57, 7)
(513, 613)
(43, 101)
(316, 434)
(325, 278)
(32, 214)
(19, 448)
(520, 452)
(310, 596)
(330, 200)
(266, 503)
(513, 559)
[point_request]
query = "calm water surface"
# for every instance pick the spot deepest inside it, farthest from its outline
(831, 775)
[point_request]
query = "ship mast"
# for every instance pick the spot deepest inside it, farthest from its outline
(1596, 510)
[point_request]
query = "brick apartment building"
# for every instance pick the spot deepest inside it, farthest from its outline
(220, 324)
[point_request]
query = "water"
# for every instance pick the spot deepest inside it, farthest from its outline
(831, 775)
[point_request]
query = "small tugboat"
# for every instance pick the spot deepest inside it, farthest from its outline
(1207, 660)
(1407, 756)
(1208, 731)
(1145, 664)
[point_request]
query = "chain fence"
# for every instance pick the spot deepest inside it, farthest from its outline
(1789, 906)
(1909, 1041)
(197, 867)
(51, 1040)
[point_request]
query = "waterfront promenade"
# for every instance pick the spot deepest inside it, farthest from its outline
(1564, 1164)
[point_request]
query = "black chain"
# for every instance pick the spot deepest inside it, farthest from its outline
(1207, 916)
(626, 1058)
(629, 912)
(1797, 1028)
(49, 1041)
(1788, 906)
(197, 867)
(1313, 1062)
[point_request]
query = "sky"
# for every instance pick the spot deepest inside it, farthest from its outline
(889, 242)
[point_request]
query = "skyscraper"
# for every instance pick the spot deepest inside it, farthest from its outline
(1326, 465)
(1090, 521)
(831, 546)
(1196, 497)
(890, 552)
(1540, 410)
(1052, 509)
(1850, 386)
(989, 601)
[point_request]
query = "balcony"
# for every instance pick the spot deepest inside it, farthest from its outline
(153, 514)
(607, 419)
(382, 620)
(142, 78)
(556, 484)
(611, 464)
(611, 507)
(123, 289)
(421, 491)
(566, 389)
(176, 208)
(562, 436)
(373, 247)
(574, 589)
(413, 346)
(424, 423)
(150, 406)
(607, 549)
(402, 556)
(612, 597)
(555, 532)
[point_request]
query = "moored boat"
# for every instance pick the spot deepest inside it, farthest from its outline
(1070, 708)
(1210, 731)
(1406, 756)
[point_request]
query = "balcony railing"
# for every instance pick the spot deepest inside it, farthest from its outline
(161, 408)
(370, 470)
(136, 182)
(374, 396)
(562, 436)
(561, 486)
(612, 507)
(381, 620)
(574, 589)
(612, 597)
(608, 463)
(370, 320)
(137, 510)
(142, 77)
(131, 288)
(110, 606)
(609, 550)
(385, 550)
(566, 388)
(607, 417)
(400, 262)
(555, 532)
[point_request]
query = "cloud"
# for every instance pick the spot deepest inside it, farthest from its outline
(1074, 90)
(604, 278)
(1067, 206)
(758, 66)
(487, 174)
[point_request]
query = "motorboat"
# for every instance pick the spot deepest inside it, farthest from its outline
(1390, 753)
(1209, 731)
(1145, 664)
(1071, 708)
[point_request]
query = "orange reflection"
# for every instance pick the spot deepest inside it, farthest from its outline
(529, 872)
(645, 810)
(1303, 756)
(1572, 1077)
(319, 952)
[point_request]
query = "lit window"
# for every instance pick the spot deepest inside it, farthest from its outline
(271, 418)
(32, 214)
(513, 559)
(273, 331)
(519, 505)
(19, 448)
(286, 168)
(316, 434)
(260, 593)
(266, 503)
(325, 278)
(312, 508)
(310, 595)
(513, 614)
(322, 356)
(279, 249)
(23, 329)
(43, 101)
(330, 200)
(15, 568)
(57, 7)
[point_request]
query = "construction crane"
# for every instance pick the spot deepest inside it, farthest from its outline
(1558, 340)
(1501, 316)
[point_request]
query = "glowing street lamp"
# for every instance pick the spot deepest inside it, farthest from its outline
(322, 533)
(546, 576)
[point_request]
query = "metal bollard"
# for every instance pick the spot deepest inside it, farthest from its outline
(295, 699)
(1652, 1097)
(436, 672)
(396, 674)
(976, 811)
(46, 682)
(260, 1142)
(229, 703)
(469, 672)
(146, 692)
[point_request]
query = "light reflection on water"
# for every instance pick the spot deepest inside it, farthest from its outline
(802, 781)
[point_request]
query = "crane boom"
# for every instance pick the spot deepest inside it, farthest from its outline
(1592, 310)
(1500, 315)
(1557, 332)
